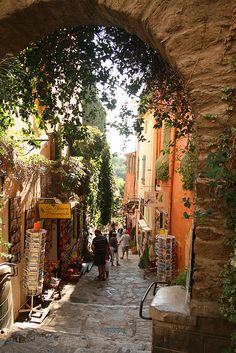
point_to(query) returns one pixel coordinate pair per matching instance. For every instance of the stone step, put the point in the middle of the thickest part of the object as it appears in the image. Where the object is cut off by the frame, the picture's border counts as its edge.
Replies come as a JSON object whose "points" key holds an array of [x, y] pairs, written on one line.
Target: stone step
{"points": [[110, 350], [113, 347]]}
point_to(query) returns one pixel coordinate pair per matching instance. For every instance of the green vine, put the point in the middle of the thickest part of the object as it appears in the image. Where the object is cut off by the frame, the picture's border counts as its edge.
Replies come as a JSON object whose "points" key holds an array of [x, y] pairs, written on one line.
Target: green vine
{"points": [[233, 62], [220, 169], [229, 96], [163, 171], [72, 173], [188, 167], [166, 98], [4, 245]]}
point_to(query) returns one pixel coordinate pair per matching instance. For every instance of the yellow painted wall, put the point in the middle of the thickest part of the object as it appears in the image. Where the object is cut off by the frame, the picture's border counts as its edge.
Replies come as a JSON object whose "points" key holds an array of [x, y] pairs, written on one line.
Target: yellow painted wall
{"points": [[147, 148]]}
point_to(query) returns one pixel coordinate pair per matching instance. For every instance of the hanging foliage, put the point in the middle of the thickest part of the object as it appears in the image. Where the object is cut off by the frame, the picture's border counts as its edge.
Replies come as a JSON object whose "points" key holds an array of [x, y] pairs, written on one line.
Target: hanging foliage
{"points": [[54, 77], [166, 98], [63, 70]]}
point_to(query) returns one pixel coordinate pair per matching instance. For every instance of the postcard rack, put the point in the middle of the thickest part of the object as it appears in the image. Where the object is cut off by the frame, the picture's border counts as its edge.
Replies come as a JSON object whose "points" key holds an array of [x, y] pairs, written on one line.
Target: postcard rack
{"points": [[166, 257], [34, 266]]}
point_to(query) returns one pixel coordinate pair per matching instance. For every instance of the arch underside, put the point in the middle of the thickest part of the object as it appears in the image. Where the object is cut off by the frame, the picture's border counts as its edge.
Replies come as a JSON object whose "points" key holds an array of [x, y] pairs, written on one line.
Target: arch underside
{"points": [[189, 34]]}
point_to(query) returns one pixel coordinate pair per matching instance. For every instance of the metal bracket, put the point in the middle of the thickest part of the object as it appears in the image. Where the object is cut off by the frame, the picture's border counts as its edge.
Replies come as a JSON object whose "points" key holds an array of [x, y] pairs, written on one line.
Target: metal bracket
{"points": [[155, 285]]}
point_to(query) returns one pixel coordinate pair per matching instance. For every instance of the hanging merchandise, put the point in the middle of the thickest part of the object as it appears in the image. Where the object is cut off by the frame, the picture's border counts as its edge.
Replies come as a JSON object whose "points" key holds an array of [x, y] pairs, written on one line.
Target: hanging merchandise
{"points": [[70, 264], [166, 258]]}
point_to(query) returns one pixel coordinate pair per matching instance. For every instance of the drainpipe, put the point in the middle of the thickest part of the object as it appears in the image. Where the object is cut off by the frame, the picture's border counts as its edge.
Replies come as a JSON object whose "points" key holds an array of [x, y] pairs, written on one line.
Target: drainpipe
{"points": [[171, 173]]}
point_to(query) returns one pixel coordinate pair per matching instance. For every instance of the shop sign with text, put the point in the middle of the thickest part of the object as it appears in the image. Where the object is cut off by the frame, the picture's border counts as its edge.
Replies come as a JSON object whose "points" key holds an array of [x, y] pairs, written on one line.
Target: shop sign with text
{"points": [[47, 210]]}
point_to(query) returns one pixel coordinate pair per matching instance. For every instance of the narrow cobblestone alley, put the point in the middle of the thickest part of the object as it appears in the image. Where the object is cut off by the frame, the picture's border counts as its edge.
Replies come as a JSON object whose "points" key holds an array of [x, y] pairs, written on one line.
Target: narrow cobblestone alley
{"points": [[92, 317]]}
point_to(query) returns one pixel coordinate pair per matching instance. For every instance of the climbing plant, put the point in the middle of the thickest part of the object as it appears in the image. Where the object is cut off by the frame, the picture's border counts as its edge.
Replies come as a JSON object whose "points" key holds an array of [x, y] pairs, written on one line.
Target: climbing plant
{"points": [[223, 164], [188, 165], [220, 171], [163, 171], [90, 175], [4, 245]]}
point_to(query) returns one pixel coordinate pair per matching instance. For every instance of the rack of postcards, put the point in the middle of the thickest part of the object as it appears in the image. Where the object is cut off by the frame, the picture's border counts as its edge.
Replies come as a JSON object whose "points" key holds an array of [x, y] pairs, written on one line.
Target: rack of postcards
{"points": [[34, 261], [166, 257]]}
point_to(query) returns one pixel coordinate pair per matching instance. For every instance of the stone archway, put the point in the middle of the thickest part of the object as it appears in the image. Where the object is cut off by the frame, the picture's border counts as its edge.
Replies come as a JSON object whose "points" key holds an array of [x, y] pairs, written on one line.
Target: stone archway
{"points": [[190, 35]]}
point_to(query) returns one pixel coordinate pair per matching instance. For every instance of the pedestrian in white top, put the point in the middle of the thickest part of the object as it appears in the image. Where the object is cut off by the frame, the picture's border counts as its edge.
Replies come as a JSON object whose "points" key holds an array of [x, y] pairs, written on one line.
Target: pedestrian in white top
{"points": [[125, 240]]}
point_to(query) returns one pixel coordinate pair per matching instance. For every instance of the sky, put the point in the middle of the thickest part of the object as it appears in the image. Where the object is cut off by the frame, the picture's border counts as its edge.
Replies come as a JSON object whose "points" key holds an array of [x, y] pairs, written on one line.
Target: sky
{"points": [[116, 143], [115, 140]]}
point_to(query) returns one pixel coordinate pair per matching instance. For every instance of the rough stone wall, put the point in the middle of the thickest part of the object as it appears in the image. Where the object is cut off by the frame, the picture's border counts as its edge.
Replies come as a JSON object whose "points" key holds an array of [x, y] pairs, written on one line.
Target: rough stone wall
{"points": [[190, 35]]}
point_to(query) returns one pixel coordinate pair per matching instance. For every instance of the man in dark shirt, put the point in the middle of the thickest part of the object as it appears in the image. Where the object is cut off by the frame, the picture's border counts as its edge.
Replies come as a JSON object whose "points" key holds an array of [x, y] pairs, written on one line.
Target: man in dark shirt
{"points": [[101, 251]]}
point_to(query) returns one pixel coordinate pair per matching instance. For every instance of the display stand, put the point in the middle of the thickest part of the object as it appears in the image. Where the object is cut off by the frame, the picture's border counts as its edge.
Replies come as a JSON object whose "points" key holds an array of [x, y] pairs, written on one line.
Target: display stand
{"points": [[166, 258], [33, 272]]}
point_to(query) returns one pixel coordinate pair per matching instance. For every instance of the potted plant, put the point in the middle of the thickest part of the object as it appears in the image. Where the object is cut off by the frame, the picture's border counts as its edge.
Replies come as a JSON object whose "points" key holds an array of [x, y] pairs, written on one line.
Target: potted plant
{"points": [[133, 247]]}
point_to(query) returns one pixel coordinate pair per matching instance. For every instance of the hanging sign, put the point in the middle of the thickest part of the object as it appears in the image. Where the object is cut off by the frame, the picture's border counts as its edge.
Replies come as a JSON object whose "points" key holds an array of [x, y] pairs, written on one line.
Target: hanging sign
{"points": [[154, 199], [47, 210], [161, 200], [150, 197]]}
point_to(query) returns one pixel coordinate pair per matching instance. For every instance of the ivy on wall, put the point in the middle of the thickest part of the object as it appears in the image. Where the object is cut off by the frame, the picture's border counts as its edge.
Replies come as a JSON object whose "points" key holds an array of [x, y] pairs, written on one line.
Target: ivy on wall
{"points": [[91, 175], [220, 171], [162, 171], [187, 168]]}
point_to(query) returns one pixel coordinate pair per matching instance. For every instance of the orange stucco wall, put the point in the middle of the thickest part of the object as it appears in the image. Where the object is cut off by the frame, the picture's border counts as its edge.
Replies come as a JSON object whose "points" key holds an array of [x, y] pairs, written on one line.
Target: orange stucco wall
{"points": [[130, 179], [129, 186], [180, 227]]}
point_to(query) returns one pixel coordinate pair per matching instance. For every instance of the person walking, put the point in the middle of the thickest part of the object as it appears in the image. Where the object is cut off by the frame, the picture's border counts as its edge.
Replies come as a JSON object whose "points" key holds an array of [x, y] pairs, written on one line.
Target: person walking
{"points": [[119, 233], [125, 240], [114, 249], [111, 230], [101, 250]]}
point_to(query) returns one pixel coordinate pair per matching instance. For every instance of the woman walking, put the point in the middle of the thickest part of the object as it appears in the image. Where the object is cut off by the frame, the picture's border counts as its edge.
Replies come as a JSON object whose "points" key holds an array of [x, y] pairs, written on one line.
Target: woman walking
{"points": [[114, 249]]}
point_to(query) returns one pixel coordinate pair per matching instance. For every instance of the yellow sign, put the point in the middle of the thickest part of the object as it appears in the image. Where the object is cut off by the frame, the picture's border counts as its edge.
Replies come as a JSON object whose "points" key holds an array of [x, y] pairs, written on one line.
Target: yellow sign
{"points": [[49, 210]]}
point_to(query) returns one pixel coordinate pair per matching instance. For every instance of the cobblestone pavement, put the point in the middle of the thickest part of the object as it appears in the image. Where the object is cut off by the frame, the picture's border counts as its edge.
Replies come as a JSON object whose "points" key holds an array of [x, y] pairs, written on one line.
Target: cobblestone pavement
{"points": [[91, 317]]}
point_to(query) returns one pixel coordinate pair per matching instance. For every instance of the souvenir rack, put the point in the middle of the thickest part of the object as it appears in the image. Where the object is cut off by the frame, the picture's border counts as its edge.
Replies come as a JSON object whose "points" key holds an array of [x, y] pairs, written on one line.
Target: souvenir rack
{"points": [[166, 258], [34, 266]]}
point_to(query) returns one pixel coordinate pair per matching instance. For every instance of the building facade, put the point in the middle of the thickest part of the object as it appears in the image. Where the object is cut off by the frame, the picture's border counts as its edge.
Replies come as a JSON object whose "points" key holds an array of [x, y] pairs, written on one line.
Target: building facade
{"points": [[159, 192]]}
